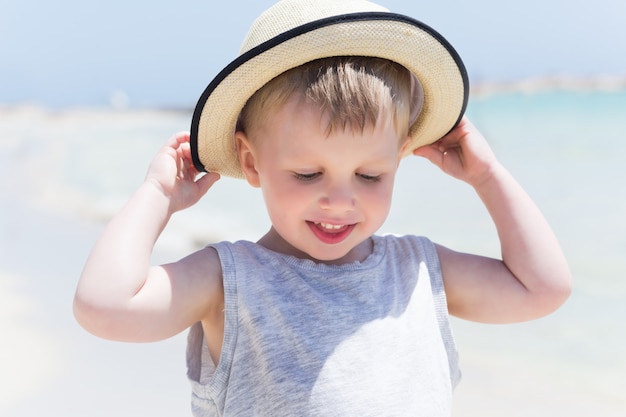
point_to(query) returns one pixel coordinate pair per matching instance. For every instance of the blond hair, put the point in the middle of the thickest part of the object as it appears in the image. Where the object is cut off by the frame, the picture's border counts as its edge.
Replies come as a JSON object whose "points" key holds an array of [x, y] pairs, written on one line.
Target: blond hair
{"points": [[352, 91]]}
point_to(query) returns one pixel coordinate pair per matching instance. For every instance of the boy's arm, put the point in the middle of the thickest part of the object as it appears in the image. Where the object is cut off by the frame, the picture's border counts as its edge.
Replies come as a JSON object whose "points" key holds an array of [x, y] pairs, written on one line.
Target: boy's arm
{"points": [[533, 277], [119, 295]]}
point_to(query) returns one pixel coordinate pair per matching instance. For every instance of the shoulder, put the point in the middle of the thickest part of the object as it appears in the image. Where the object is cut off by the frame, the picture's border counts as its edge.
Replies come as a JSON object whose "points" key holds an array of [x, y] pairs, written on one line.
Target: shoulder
{"points": [[195, 285], [417, 253], [204, 263], [227, 254], [408, 245]]}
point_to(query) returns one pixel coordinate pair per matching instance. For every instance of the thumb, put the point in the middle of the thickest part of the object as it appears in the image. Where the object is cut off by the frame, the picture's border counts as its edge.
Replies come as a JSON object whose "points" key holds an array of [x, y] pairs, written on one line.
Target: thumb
{"points": [[430, 152], [206, 181]]}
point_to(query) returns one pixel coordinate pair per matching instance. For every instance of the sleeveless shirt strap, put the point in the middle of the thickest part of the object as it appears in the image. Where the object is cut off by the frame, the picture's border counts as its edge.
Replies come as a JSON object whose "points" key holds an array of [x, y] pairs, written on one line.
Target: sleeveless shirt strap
{"points": [[441, 307]]}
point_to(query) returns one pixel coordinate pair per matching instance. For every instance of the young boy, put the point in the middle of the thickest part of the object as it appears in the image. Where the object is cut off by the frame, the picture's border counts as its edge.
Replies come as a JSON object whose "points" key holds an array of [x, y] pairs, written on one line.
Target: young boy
{"points": [[322, 317]]}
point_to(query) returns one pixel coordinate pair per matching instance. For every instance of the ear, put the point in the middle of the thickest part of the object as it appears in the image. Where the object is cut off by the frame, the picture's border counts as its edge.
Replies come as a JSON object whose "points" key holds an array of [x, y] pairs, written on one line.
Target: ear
{"points": [[247, 158], [404, 147]]}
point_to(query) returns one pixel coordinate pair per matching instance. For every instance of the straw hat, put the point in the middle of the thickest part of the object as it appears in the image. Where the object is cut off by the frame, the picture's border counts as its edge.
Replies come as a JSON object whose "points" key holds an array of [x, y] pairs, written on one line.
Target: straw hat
{"points": [[294, 32]]}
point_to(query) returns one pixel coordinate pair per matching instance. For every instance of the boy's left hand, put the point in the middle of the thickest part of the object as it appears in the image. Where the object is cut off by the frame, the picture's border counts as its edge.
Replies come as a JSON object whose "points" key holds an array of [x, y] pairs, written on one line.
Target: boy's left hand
{"points": [[532, 277], [463, 153]]}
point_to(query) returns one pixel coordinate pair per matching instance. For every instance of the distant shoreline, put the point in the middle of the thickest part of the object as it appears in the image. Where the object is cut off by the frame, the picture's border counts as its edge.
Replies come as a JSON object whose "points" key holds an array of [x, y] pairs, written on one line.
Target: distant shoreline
{"points": [[478, 89], [547, 84]]}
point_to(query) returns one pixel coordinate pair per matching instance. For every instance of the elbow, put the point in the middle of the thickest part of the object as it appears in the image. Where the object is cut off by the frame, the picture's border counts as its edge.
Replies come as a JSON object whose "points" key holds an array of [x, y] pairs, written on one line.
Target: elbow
{"points": [[562, 289], [552, 295], [99, 319], [89, 316], [558, 297]]}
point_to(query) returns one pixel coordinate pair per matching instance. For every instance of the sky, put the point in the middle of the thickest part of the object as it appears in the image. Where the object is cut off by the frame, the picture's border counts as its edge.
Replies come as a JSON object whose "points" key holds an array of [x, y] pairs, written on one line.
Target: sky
{"points": [[163, 53]]}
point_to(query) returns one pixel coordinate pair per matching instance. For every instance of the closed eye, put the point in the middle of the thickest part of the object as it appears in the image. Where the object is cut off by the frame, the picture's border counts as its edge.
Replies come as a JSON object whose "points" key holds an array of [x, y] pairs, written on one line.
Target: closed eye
{"points": [[370, 178], [306, 177]]}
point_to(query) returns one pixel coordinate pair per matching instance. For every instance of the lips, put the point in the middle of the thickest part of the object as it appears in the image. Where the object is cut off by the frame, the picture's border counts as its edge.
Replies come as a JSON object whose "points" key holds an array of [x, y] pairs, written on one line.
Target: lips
{"points": [[330, 233]]}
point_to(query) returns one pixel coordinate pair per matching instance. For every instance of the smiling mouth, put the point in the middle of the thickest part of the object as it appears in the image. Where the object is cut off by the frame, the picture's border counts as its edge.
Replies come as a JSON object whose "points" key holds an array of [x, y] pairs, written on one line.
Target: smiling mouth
{"points": [[330, 233]]}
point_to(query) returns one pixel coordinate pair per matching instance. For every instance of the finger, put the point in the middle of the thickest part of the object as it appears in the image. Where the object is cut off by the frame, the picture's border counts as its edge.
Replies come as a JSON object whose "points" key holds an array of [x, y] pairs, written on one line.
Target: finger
{"points": [[430, 152], [185, 150], [207, 180], [177, 139]]}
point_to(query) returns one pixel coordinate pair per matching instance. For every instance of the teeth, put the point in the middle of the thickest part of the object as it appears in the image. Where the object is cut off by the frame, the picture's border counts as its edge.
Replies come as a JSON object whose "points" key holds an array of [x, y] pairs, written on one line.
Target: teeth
{"points": [[328, 226]]}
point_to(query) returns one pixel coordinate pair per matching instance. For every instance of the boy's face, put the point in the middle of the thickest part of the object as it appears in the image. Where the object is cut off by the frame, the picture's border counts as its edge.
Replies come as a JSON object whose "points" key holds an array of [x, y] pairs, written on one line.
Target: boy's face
{"points": [[325, 194]]}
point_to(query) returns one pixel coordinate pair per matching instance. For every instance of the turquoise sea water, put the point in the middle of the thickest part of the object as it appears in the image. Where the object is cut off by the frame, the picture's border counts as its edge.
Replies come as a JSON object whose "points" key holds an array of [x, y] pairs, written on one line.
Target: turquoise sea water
{"points": [[568, 150]]}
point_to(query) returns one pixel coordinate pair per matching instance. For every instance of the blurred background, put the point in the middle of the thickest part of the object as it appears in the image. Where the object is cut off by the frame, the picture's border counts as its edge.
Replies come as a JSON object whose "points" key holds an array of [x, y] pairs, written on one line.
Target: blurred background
{"points": [[89, 91], [162, 53]]}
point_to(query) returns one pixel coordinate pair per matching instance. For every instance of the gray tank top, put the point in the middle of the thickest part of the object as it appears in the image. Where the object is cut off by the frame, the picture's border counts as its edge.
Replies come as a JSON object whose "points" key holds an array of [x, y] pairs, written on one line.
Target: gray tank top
{"points": [[369, 338]]}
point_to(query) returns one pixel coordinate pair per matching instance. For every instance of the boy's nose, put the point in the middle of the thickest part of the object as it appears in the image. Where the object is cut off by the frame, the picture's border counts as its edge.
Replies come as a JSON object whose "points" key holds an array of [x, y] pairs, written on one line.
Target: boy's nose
{"points": [[338, 197]]}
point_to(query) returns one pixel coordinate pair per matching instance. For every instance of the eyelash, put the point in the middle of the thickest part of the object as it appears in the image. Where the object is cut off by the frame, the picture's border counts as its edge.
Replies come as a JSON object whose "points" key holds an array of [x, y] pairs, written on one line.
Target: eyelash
{"points": [[370, 178], [314, 175], [306, 177]]}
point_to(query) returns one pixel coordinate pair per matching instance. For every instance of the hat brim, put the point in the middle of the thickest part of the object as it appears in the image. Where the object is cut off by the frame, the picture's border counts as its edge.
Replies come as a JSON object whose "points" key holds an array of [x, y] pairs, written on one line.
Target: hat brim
{"points": [[396, 37]]}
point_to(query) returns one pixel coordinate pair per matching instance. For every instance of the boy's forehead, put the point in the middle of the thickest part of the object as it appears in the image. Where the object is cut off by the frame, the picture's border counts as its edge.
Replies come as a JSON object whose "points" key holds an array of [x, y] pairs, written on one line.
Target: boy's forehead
{"points": [[300, 120]]}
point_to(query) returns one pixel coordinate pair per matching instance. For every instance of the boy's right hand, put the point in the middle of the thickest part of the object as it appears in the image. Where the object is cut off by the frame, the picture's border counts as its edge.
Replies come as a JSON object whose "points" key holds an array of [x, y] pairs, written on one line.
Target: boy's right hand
{"points": [[172, 172], [120, 296]]}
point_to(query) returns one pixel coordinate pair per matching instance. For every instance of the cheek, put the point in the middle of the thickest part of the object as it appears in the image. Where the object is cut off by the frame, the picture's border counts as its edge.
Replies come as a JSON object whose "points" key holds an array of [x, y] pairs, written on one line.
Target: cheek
{"points": [[283, 197], [379, 198]]}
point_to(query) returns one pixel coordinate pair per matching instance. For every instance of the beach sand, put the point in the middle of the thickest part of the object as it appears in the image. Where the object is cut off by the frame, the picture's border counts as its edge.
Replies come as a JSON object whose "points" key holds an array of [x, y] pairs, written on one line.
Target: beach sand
{"points": [[51, 366], [28, 351]]}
